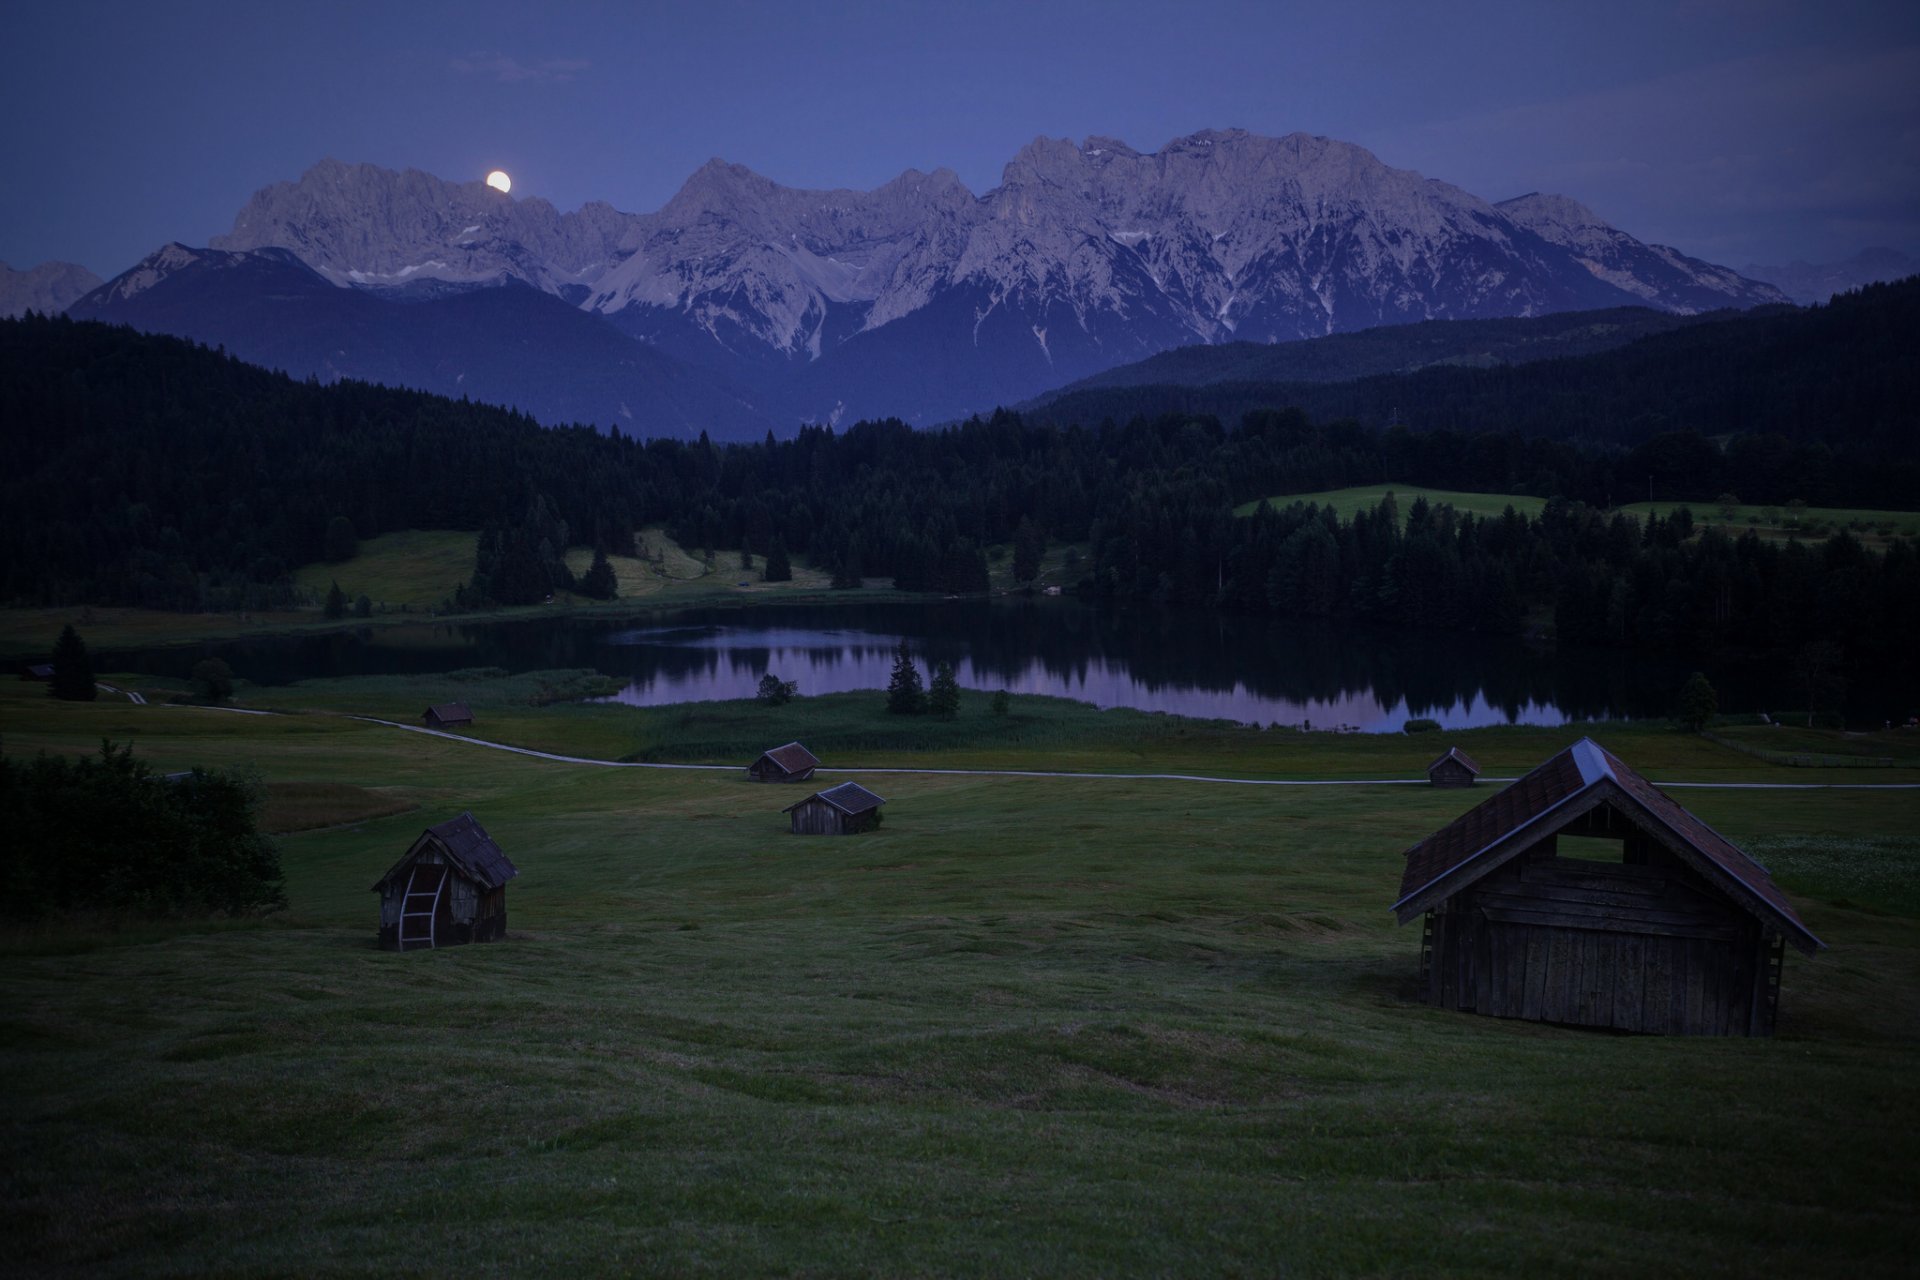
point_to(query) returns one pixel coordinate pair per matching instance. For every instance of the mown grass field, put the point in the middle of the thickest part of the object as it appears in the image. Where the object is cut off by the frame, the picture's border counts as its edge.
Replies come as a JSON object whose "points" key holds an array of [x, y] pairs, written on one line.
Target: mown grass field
{"points": [[1366, 497], [416, 569], [1031, 1026], [1778, 523], [408, 575]]}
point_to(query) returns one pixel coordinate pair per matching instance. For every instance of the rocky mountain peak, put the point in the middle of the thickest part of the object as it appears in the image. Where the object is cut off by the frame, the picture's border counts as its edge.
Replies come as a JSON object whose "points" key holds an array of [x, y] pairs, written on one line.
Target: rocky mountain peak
{"points": [[49, 288]]}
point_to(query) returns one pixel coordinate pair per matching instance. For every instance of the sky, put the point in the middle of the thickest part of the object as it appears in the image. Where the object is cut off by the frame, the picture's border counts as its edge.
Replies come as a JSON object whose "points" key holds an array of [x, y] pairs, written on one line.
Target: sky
{"points": [[1737, 130]]}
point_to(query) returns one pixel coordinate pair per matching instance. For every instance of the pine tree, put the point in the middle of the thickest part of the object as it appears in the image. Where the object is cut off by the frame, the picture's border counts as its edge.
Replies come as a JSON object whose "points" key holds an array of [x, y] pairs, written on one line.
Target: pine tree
{"points": [[600, 582], [1029, 544], [904, 694], [778, 569], [72, 669], [336, 601], [341, 540], [1698, 703], [943, 697]]}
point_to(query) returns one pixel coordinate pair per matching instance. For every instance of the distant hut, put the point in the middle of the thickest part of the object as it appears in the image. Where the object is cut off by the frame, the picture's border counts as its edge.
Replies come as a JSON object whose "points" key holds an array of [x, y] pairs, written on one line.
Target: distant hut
{"points": [[1454, 769], [448, 889], [791, 763], [41, 671], [447, 715], [837, 811], [1583, 894]]}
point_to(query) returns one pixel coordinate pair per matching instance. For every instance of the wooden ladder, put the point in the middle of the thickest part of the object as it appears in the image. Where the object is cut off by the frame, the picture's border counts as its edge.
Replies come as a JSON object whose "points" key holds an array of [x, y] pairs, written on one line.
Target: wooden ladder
{"points": [[410, 909]]}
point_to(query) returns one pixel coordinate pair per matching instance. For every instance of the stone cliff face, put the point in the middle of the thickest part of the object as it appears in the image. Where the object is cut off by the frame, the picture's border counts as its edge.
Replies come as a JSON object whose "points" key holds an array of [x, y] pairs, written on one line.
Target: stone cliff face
{"points": [[922, 300]]}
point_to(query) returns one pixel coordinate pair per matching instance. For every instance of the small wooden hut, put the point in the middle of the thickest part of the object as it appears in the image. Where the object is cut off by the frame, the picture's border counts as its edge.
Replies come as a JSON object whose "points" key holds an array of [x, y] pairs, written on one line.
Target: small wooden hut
{"points": [[451, 887], [837, 811], [791, 763], [1583, 894], [41, 671], [1454, 769], [447, 715]]}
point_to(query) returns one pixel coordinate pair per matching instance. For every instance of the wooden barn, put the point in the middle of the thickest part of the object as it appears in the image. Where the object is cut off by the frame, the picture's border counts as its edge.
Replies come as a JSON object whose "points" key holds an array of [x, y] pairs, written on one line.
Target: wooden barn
{"points": [[447, 715], [41, 671], [838, 811], [451, 887], [1454, 769], [791, 763], [1583, 894]]}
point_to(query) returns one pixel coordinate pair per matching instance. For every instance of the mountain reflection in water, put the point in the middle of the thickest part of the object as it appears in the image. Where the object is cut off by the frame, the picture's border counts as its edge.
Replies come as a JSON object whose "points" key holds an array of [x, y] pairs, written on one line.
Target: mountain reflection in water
{"points": [[1193, 665], [1197, 664]]}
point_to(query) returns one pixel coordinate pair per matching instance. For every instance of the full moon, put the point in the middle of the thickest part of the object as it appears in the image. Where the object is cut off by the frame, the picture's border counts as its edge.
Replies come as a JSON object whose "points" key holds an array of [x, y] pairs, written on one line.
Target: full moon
{"points": [[499, 180]]}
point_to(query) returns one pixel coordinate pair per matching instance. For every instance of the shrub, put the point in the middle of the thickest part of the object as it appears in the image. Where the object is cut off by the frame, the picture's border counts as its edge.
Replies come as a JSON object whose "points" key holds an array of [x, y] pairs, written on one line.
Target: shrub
{"points": [[775, 692], [212, 680], [107, 833], [1421, 726]]}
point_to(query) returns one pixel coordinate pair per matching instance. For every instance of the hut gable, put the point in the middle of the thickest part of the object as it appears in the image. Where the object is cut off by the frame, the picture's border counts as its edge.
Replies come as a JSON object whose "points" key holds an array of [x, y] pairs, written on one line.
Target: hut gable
{"points": [[445, 714], [841, 810], [448, 888], [791, 763], [1454, 769], [1682, 933]]}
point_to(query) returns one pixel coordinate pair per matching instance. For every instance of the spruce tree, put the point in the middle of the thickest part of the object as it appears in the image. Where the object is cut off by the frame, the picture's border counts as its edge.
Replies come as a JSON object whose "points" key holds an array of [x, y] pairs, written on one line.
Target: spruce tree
{"points": [[943, 696], [1698, 703], [336, 601], [904, 694], [600, 582], [72, 668], [779, 568]]}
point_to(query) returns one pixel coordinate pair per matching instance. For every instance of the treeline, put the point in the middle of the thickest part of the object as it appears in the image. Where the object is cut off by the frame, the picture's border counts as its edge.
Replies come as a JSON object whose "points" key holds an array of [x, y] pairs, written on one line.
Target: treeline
{"points": [[1842, 375], [149, 471], [1606, 580]]}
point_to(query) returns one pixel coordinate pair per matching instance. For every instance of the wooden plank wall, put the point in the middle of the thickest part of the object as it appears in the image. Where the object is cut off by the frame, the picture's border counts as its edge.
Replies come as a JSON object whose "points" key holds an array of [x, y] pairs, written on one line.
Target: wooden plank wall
{"points": [[1632, 947]]}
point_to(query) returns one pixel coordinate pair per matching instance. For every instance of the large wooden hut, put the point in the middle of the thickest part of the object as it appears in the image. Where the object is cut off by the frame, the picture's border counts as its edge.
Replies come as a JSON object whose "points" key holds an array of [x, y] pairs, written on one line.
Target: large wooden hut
{"points": [[1454, 769], [837, 811], [451, 887], [791, 763], [1583, 894], [447, 715]]}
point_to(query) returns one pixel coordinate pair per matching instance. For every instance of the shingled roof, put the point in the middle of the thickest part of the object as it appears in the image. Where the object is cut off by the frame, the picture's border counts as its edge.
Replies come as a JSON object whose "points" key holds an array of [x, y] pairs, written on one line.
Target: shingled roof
{"points": [[849, 798], [447, 712], [468, 847], [1455, 753], [793, 758], [1550, 797]]}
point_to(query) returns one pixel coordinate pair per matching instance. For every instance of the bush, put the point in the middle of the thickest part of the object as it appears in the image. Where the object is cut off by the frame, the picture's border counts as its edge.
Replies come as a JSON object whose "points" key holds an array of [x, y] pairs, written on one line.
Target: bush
{"points": [[106, 833], [1002, 702], [212, 680], [1421, 726]]}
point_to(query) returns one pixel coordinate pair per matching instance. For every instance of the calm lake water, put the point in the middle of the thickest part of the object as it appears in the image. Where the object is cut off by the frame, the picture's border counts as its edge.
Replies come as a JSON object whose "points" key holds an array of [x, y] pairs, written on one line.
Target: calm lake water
{"points": [[1186, 663]]}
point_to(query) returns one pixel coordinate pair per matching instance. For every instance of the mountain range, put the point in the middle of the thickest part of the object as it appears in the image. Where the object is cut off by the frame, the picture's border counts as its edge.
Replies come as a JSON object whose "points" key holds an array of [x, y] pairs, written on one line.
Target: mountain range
{"points": [[743, 305], [49, 288]]}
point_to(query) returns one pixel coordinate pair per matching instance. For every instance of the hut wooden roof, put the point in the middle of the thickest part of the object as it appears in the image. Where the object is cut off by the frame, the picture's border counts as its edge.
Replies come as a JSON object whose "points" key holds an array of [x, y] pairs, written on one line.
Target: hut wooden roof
{"points": [[793, 758], [468, 847], [450, 711], [1567, 785], [849, 798], [1455, 753], [41, 671]]}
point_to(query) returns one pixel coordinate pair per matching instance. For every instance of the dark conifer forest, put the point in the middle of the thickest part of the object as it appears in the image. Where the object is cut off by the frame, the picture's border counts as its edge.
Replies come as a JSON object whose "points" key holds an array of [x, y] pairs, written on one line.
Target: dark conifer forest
{"points": [[148, 471]]}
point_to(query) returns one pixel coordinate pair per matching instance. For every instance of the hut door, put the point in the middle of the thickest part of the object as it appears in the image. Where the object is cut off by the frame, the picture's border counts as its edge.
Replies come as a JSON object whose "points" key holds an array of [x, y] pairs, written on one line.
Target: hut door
{"points": [[420, 905]]}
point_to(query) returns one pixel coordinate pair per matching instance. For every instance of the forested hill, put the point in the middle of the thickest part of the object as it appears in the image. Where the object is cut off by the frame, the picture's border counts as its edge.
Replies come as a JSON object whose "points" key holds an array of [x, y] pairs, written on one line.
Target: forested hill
{"points": [[1841, 372], [1397, 348], [145, 470]]}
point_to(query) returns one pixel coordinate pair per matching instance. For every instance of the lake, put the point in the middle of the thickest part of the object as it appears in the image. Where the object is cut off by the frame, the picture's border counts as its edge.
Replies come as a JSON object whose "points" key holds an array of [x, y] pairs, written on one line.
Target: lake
{"points": [[1195, 664]]}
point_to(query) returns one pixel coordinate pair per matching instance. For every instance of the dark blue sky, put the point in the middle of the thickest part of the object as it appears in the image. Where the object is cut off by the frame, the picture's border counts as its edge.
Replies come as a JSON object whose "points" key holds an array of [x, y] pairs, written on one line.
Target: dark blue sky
{"points": [[1735, 129]]}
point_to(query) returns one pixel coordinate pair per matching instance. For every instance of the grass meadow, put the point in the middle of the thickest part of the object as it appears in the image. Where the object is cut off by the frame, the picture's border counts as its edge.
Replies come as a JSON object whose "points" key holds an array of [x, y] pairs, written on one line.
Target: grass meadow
{"points": [[1030, 1026]]}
